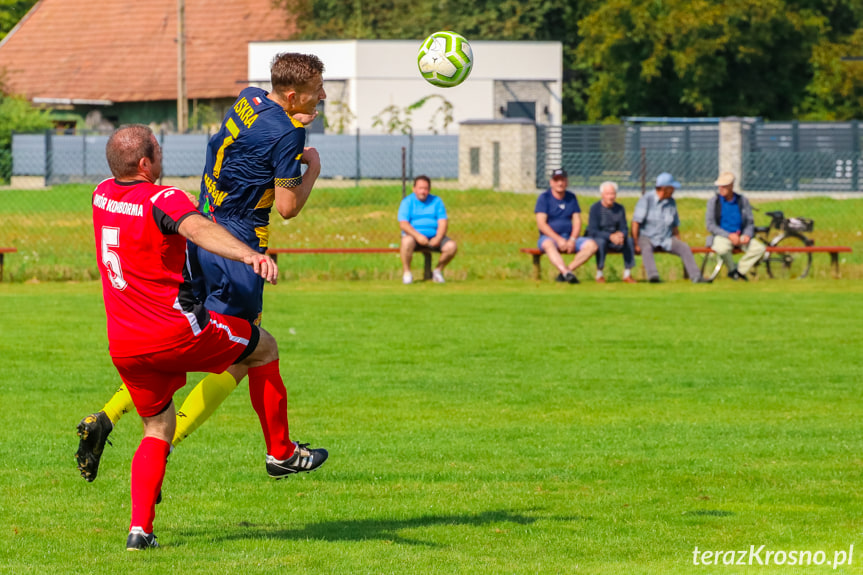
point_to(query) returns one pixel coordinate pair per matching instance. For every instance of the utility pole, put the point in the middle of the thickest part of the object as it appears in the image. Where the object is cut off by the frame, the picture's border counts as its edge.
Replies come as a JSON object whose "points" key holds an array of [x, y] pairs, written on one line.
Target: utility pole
{"points": [[182, 101]]}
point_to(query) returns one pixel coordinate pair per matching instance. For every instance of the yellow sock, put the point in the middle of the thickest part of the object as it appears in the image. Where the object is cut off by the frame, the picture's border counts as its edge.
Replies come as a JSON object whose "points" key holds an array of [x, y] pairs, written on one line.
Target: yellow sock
{"points": [[119, 405], [202, 402]]}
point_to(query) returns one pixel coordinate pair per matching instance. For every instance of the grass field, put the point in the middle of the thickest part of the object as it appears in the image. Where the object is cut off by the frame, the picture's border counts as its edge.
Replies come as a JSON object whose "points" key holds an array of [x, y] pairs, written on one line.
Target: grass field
{"points": [[53, 232], [476, 427]]}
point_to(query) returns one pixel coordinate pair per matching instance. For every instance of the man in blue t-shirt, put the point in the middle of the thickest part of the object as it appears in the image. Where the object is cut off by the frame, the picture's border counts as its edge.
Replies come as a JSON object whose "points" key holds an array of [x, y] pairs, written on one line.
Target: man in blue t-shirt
{"points": [[423, 221], [558, 218]]}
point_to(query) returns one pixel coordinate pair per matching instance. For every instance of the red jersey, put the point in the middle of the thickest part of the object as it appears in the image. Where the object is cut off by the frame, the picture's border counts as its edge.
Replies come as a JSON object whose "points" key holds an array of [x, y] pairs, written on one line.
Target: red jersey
{"points": [[142, 257]]}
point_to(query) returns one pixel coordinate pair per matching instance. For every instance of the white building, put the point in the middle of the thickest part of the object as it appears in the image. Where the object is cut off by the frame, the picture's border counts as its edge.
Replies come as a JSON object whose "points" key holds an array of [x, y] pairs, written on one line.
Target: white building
{"points": [[364, 77]]}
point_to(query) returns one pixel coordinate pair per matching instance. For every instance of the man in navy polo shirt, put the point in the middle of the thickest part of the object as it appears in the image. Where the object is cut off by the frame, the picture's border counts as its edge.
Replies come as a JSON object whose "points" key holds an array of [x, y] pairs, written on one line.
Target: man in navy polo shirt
{"points": [[731, 225], [423, 221], [558, 218]]}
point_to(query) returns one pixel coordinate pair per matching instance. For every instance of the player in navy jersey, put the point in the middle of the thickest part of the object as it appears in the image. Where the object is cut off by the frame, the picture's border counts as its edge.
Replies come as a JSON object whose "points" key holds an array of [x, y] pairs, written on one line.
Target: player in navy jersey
{"points": [[253, 163], [158, 331]]}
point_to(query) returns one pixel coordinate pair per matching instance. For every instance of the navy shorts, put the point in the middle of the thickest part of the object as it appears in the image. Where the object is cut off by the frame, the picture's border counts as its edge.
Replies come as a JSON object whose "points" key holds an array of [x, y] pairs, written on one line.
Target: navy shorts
{"points": [[226, 286]]}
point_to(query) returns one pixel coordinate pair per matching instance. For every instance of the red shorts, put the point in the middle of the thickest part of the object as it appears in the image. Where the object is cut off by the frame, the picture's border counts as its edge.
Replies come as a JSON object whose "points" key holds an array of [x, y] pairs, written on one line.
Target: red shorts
{"points": [[153, 378]]}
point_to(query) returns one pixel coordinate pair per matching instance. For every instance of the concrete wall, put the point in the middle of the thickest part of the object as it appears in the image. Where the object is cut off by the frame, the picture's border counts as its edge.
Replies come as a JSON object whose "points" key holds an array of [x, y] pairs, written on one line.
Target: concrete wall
{"points": [[512, 167], [731, 149]]}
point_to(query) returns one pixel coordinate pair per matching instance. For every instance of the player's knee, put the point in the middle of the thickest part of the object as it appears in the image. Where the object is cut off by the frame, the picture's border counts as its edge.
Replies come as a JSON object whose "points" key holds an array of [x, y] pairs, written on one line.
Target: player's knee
{"points": [[590, 246], [408, 242], [265, 352]]}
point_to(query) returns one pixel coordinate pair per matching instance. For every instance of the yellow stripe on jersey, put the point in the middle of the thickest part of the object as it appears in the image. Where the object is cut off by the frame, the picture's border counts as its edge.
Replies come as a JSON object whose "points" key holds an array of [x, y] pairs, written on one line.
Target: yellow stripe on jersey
{"points": [[263, 234], [296, 123], [299, 156], [289, 182], [267, 199], [220, 155]]}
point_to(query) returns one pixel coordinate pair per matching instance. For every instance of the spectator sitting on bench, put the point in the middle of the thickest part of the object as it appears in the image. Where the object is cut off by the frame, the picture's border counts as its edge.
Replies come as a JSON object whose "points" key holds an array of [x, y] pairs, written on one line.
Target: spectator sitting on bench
{"points": [[731, 225], [558, 218], [423, 221], [607, 226], [655, 224]]}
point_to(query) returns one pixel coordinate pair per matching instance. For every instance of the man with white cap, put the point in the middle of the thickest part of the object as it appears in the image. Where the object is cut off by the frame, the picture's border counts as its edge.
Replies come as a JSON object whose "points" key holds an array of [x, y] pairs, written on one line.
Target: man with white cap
{"points": [[731, 225], [655, 224]]}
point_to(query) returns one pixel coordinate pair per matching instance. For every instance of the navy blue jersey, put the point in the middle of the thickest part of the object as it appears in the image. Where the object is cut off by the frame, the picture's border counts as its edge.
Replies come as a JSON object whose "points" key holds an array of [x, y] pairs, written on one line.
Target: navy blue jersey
{"points": [[258, 147]]}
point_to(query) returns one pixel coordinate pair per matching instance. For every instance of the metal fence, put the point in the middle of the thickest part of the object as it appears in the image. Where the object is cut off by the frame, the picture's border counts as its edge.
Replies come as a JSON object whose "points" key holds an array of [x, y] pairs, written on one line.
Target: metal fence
{"points": [[75, 158], [355, 201], [803, 156]]}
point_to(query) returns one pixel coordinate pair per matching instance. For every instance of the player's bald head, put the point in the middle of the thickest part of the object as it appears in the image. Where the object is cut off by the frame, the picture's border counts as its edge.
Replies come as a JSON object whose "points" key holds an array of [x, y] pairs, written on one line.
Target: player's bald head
{"points": [[125, 148], [291, 71]]}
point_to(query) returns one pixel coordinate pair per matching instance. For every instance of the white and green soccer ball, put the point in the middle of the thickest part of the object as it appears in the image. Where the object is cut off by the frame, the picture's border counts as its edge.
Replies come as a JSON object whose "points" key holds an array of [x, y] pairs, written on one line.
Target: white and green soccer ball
{"points": [[445, 59]]}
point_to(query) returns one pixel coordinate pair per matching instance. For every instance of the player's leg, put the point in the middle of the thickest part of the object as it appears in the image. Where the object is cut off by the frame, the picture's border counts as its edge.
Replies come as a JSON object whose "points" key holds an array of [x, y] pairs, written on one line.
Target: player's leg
{"points": [[601, 248], [234, 290], [584, 249], [148, 472], [547, 245], [152, 388], [628, 259], [754, 252], [201, 402], [94, 429], [682, 250], [648, 260], [448, 249], [406, 252], [270, 401], [723, 248]]}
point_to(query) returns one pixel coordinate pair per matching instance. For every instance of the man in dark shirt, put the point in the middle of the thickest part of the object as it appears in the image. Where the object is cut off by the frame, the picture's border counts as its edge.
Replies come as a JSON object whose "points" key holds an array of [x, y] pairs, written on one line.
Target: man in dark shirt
{"points": [[607, 226], [558, 218]]}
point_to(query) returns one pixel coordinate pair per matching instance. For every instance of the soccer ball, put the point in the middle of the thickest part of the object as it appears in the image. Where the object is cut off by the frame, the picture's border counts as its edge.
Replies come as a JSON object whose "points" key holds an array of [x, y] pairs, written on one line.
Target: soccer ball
{"points": [[445, 59]]}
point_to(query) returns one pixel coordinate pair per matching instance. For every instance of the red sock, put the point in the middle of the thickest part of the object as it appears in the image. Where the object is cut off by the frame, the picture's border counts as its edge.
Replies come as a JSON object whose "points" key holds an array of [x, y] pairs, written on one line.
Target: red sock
{"points": [[148, 471], [270, 400]]}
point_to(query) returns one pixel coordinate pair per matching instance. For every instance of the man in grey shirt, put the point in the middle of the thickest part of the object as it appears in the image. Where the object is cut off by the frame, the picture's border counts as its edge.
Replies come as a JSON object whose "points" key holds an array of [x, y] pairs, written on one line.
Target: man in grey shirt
{"points": [[730, 223], [655, 225]]}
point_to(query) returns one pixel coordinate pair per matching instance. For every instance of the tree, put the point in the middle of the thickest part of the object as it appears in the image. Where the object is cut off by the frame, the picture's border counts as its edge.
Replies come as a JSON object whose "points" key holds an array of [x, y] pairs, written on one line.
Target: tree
{"points": [[16, 115], [697, 57], [11, 11], [394, 119], [836, 89]]}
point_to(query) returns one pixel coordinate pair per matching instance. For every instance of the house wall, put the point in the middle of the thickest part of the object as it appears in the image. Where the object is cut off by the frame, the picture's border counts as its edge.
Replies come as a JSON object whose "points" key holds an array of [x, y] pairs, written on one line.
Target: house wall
{"points": [[379, 74]]}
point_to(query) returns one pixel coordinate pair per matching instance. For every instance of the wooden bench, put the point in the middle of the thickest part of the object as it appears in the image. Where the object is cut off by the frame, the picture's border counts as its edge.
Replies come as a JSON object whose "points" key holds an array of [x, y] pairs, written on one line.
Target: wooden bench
{"points": [[4, 251], [834, 252], [426, 252]]}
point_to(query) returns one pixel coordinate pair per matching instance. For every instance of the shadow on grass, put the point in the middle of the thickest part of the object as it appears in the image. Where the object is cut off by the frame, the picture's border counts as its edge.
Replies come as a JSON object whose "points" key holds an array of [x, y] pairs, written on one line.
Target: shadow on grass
{"points": [[710, 513], [376, 529]]}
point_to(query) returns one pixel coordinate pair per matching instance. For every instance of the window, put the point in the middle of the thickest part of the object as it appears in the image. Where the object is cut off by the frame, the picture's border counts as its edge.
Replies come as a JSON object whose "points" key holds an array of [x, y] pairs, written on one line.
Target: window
{"points": [[519, 109], [474, 161]]}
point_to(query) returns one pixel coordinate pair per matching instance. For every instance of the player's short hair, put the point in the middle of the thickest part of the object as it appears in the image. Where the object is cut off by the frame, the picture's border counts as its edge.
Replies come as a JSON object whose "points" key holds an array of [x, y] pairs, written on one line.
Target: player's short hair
{"points": [[291, 70], [423, 177], [125, 148]]}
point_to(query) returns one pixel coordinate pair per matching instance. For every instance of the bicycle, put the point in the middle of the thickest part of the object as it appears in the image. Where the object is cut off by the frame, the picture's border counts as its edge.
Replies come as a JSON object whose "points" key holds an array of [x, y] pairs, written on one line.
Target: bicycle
{"points": [[790, 233]]}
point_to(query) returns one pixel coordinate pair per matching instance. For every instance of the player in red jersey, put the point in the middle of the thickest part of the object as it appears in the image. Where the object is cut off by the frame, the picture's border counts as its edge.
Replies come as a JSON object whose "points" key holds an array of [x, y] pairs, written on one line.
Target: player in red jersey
{"points": [[253, 163], [158, 331]]}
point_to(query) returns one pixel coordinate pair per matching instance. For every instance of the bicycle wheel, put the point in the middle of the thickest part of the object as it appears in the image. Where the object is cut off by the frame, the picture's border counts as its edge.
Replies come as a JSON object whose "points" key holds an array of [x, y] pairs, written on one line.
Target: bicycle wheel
{"points": [[710, 266], [788, 265]]}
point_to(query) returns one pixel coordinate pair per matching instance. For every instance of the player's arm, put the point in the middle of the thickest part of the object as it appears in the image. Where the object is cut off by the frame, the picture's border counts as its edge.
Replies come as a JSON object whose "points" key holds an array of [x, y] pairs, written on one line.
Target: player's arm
{"points": [[442, 225], [290, 201], [407, 228], [576, 225], [216, 239]]}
